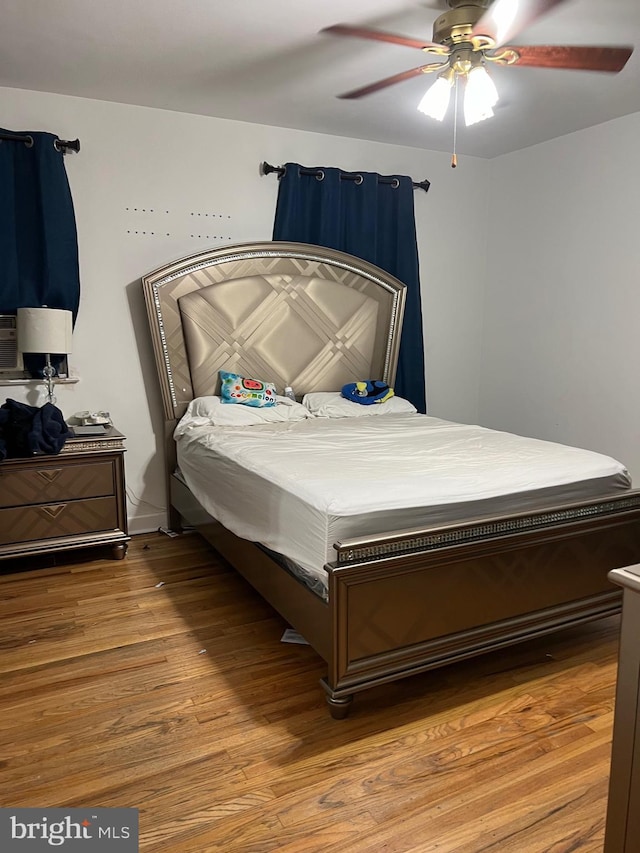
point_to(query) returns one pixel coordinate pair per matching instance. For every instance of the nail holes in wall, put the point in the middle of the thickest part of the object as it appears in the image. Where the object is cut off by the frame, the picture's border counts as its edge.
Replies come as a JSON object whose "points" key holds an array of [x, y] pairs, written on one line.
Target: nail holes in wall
{"points": [[141, 216]]}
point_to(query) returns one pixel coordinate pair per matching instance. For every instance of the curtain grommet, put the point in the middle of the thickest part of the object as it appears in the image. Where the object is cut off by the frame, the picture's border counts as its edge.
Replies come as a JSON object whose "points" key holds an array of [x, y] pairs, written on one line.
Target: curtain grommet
{"points": [[358, 180], [319, 175], [29, 142], [395, 183]]}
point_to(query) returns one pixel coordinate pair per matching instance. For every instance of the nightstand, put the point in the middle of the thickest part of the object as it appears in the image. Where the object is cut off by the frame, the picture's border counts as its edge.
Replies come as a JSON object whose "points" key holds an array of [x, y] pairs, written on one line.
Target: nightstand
{"points": [[74, 499]]}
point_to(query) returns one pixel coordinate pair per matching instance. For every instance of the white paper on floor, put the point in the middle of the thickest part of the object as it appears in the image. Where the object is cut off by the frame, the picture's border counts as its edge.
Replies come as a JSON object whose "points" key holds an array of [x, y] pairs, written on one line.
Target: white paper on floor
{"points": [[291, 636]]}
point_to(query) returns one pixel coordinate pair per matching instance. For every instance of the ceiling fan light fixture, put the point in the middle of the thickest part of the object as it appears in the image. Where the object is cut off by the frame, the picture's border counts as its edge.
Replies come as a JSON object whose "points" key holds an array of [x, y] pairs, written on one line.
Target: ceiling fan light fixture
{"points": [[436, 99], [480, 96]]}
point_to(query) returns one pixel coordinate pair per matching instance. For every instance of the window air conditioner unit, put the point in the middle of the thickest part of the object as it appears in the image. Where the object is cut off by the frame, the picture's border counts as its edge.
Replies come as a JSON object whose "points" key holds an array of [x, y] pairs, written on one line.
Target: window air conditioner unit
{"points": [[10, 358]]}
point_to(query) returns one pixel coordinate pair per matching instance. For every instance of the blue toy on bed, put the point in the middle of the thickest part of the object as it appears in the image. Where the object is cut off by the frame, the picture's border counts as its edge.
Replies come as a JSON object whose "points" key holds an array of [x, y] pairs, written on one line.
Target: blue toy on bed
{"points": [[367, 392]]}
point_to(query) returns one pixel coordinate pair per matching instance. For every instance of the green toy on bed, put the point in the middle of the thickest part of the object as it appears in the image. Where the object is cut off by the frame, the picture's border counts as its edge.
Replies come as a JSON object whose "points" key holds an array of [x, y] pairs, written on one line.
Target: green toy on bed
{"points": [[367, 392]]}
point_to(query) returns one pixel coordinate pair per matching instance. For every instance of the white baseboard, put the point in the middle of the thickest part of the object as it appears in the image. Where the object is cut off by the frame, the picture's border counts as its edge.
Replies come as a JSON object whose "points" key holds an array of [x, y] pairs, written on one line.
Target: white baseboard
{"points": [[146, 522]]}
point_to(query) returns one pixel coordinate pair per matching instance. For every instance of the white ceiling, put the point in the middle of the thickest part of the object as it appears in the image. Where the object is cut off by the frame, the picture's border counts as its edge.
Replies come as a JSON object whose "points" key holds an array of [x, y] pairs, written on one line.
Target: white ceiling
{"points": [[264, 61]]}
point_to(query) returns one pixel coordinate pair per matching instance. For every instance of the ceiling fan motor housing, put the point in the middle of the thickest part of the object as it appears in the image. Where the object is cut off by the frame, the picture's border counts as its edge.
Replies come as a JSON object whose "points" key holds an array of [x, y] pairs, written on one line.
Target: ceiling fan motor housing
{"points": [[457, 25]]}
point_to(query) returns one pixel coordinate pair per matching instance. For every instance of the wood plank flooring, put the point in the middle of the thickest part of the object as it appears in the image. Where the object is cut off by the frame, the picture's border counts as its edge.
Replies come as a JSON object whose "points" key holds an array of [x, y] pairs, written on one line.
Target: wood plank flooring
{"points": [[160, 682]]}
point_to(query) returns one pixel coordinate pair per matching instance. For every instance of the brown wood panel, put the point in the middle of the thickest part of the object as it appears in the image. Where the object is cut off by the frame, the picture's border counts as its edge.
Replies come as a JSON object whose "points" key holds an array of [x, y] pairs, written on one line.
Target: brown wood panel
{"points": [[395, 609], [623, 813], [48, 482], [24, 524], [160, 682]]}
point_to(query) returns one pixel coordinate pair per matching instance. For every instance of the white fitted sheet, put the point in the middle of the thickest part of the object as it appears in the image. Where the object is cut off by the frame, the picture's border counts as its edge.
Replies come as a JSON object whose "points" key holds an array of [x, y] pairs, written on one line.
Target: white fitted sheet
{"points": [[297, 488]]}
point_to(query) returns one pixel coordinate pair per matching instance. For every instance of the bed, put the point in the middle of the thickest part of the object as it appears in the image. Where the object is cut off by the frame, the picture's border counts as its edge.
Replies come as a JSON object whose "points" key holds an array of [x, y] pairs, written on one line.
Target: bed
{"points": [[405, 586]]}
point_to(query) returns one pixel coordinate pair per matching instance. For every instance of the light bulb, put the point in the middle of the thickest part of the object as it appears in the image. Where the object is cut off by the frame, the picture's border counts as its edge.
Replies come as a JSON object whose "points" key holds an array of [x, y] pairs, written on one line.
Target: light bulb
{"points": [[480, 95], [436, 98]]}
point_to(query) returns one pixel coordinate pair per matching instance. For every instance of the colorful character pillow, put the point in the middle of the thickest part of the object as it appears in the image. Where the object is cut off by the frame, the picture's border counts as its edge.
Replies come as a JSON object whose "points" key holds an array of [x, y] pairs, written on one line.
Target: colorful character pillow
{"points": [[250, 392], [367, 392]]}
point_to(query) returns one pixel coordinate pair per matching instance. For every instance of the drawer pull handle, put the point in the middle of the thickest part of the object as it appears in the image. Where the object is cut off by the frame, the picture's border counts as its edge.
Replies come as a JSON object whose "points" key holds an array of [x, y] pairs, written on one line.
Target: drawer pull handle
{"points": [[50, 474], [53, 510]]}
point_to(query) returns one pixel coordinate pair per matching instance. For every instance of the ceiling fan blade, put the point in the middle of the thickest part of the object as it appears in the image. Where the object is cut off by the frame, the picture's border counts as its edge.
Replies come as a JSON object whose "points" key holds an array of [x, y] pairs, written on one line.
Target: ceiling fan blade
{"points": [[506, 18], [390, 81], [592, 58], [378, 35]]}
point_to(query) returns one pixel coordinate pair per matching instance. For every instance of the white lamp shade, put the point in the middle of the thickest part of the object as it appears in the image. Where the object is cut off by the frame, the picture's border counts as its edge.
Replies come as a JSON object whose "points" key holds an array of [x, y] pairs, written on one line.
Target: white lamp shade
{"points": [[480, 95], [44, 330], [436, 99]]}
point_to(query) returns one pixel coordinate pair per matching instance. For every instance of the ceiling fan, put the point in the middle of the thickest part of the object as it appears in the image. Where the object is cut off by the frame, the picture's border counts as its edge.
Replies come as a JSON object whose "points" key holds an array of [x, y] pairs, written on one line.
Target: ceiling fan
{"points": [[473, 34]]}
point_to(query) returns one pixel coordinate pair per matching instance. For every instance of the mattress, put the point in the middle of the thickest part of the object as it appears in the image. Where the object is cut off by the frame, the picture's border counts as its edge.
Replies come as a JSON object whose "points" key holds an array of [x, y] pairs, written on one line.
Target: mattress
{"points": [[297, 488]]}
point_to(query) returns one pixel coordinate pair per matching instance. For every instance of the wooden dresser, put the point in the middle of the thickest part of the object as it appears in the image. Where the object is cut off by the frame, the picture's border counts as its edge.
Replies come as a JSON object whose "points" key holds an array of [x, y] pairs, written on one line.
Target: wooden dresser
{"points": [[623, 811], [74, 499]]}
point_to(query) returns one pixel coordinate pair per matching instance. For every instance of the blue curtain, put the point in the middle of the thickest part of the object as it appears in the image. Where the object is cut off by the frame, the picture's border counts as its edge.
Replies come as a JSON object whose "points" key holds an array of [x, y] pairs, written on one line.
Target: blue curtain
{"points": [[38, 239], [370, 216]]}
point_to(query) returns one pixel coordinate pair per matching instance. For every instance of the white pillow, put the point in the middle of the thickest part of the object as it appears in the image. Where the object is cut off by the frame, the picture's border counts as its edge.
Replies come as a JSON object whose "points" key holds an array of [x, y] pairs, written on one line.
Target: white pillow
{"points": [[331, 404], [205, 411]]}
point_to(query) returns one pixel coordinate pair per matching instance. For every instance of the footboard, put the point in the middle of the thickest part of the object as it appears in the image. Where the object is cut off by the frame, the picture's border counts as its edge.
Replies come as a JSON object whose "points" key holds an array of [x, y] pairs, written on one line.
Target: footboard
{"points": [[408, 602]]}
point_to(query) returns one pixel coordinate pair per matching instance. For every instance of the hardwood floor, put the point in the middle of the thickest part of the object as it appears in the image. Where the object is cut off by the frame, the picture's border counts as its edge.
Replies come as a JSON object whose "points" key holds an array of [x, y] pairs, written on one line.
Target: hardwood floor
{"points": [[160, 682]]}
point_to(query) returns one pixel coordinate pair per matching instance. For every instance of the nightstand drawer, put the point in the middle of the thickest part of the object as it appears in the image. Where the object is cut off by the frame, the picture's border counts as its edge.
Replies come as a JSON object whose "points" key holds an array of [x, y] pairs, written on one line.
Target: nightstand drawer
{"points": [[24, 524], [50, 482]]}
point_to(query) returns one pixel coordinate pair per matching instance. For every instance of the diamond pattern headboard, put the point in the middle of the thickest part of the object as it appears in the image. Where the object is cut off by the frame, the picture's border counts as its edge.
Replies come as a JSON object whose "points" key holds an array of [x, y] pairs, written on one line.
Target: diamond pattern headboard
{"points": [[288, 313]]}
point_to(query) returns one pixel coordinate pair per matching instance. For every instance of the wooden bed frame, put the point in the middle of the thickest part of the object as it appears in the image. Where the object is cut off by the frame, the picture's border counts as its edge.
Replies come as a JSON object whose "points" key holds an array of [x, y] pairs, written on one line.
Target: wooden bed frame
{"points": [[400, 602]]}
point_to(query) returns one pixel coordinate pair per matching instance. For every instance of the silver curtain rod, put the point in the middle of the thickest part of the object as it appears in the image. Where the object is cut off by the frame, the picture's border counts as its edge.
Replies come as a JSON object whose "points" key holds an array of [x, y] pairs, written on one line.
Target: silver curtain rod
{"points": [[268, 169]]}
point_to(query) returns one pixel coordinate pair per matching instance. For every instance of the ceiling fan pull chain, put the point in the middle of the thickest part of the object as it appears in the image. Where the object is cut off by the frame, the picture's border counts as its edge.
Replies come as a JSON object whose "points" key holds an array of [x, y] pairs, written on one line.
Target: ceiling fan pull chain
{"points": [[454, 156]]}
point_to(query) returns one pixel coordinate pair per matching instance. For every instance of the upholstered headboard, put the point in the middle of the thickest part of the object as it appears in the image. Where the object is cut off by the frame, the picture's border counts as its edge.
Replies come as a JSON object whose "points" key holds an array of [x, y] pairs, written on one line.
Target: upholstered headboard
{"points": [[289, 313]]}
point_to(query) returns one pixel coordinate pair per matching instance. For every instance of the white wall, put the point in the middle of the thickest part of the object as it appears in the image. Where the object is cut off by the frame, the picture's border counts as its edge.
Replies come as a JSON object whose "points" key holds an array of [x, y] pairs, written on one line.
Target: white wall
{"points": [[194, 182], [561, 346]]}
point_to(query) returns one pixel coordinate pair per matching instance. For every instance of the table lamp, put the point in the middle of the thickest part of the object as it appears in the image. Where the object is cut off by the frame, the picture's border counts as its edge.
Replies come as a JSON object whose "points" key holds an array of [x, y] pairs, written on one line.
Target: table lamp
{"points": [[46, 331]]}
